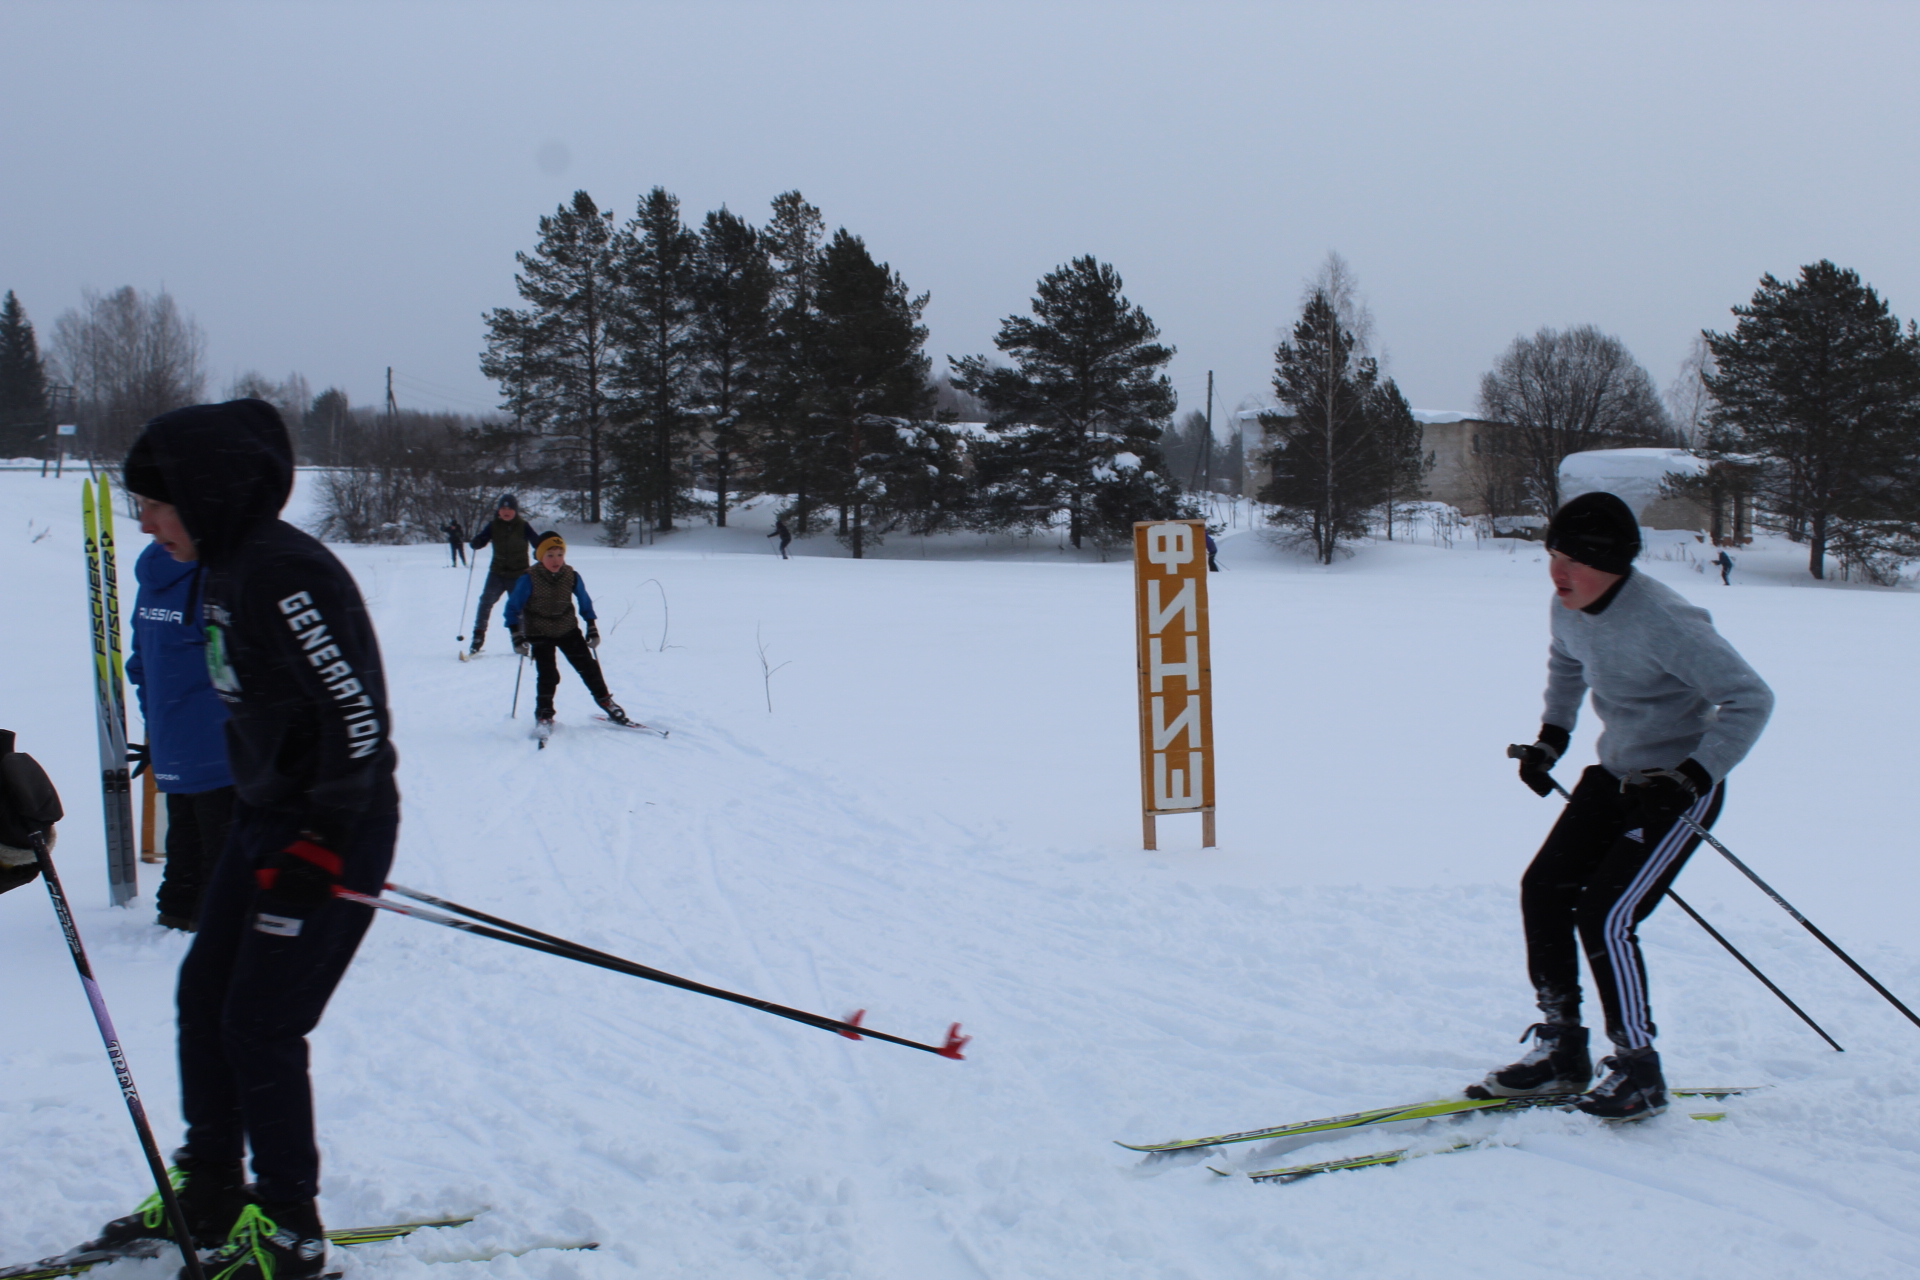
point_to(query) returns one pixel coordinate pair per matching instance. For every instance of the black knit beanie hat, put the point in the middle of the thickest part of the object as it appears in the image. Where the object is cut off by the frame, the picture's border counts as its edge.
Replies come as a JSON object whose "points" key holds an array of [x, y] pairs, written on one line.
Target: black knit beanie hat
{"points": [[508, 500], [141, 474], [1597, 529]]}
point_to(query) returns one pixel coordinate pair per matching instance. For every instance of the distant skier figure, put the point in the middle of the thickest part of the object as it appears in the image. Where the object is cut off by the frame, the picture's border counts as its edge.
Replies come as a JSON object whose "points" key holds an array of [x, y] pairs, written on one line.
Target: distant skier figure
{"points": [[186, 728], [540, 615], [1680, 708], [511, 537], [785, 535], [456, 543], [1725, 562], [293, 654], [1213, 554]]}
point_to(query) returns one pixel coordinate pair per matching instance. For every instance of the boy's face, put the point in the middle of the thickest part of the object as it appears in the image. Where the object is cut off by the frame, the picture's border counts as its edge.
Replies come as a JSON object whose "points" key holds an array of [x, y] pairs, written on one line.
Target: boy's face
{"points": [[1577, 585], [555, 558], [162, 521], [507, 514]]}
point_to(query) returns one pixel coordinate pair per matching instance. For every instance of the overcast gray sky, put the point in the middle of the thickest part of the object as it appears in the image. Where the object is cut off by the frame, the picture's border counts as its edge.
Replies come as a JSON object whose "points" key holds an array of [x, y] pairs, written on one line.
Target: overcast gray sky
{"points": [[335, 188]]}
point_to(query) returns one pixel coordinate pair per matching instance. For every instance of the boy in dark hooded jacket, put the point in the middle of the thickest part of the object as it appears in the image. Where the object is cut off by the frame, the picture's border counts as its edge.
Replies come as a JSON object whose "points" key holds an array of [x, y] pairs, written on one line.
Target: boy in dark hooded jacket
{"points": [[186, 728], [292, 652]]}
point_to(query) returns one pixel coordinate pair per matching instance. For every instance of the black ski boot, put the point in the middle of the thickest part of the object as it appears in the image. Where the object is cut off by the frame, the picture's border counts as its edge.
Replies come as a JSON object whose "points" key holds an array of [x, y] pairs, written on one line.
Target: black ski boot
{"points": [[211, 1195], [271, 1242], [614, 713], [1557, 1063], [1633, 1090]]}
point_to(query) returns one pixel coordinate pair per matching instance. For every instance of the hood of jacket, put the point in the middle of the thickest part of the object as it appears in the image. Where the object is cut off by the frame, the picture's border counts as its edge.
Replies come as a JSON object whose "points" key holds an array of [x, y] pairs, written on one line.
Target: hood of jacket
{"points": [[228, 468]]}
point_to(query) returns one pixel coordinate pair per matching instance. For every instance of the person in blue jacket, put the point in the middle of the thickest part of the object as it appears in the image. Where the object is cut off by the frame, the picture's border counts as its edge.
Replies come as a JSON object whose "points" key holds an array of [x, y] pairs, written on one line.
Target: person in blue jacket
{"points": [[186, 728]]}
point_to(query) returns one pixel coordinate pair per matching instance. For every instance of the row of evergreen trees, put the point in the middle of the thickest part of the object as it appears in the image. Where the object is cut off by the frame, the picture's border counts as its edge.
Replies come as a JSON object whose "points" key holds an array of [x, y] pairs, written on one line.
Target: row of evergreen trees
{"points": [[663, 362]]}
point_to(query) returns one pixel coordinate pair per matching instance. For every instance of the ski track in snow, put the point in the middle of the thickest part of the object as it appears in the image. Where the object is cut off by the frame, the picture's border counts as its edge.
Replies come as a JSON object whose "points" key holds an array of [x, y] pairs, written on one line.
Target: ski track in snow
{"points": [[938, 822]]}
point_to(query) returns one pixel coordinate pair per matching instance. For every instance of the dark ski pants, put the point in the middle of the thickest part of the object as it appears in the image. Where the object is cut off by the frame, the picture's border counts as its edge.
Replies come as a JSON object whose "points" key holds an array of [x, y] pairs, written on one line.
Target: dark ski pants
{"points": [[497, 585], [196, 835], [1598, 875], [574, 645], [458, 550], [248, 999]]}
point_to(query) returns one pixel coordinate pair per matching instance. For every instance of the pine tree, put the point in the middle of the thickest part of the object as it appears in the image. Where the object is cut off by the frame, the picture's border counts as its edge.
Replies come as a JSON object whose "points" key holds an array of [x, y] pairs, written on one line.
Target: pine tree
{"points": [[1336, 454], [732, 317], [786, 398], [23, 383], [655, 373], [555, 359], [871, 369], [1078, 419], [1405, 465], [1819, 383]]}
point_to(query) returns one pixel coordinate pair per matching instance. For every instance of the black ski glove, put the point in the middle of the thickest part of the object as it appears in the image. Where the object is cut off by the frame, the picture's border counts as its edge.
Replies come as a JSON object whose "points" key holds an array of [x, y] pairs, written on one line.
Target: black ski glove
{"points": [[521, 645], [1537, 761], [593, 635], [294, 883], [1659, 796]]}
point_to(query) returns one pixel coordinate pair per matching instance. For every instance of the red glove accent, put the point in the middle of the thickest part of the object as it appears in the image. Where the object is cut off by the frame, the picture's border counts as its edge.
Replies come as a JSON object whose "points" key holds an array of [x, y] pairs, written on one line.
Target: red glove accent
{"points": [[306, 850]]}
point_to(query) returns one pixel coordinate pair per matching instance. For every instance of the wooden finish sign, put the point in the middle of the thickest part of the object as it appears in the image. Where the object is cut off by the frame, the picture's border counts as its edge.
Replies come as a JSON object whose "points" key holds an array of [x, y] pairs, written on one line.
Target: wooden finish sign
{"points": [[1176, 674]]}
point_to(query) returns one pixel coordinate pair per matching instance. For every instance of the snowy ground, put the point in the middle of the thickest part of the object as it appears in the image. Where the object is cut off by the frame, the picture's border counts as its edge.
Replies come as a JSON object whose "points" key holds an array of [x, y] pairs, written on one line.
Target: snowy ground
{"points": [[937, 822]]}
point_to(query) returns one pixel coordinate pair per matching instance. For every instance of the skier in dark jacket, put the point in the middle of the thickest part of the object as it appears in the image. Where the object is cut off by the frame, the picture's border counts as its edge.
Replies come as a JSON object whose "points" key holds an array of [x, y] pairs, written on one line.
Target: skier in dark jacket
{"points": [[1680, 710], [511, 538], [456, 543], [1725, 562], [292, 652], [785, 535], [186, 727]]}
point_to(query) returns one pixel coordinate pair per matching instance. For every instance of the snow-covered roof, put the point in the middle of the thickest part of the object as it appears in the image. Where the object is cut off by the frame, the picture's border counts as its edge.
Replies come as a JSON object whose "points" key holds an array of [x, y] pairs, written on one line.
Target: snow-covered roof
{"points": [[1439, 417], [1632, 475]]}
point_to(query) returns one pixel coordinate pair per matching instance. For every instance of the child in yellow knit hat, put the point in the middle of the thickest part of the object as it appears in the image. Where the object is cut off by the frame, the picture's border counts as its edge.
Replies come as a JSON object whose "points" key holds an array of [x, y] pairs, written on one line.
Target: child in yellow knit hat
{"points": [[540, 613]]}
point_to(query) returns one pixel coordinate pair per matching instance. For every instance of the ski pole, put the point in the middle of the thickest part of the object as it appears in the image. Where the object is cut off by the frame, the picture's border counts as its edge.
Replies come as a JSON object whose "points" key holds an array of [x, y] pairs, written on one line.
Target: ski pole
{"points": [[1516, 752], [1765, 981], [466, 596], [1787, 907], [521, 936], [517, 672], [183, 1236]]}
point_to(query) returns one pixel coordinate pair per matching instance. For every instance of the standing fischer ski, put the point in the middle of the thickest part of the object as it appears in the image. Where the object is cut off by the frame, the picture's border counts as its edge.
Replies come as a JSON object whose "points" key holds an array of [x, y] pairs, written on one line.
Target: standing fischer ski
{"points": [[110, 700]]}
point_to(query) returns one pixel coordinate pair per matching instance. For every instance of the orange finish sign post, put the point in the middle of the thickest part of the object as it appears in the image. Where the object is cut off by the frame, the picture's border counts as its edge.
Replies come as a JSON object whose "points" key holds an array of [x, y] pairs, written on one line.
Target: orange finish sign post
{"points": [[1176, 673]]}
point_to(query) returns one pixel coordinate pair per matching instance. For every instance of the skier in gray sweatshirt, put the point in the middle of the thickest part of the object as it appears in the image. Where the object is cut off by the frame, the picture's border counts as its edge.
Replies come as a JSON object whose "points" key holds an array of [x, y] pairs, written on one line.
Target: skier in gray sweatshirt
{"points": [[1680, 708]]}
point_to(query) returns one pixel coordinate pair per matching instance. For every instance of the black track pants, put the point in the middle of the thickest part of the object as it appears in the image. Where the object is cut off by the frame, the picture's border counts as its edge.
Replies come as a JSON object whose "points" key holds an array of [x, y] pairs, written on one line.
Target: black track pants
{"points": [[1594, 880], [574, 645], [248, 999], [497, 585], [196, 834]]}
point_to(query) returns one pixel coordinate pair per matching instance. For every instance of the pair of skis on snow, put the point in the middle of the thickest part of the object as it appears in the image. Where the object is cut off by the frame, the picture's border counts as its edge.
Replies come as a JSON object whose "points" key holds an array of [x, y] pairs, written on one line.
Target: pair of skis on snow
{"points": [[110, 693], [72, 1264], [542, 732], [1412, 1115]]}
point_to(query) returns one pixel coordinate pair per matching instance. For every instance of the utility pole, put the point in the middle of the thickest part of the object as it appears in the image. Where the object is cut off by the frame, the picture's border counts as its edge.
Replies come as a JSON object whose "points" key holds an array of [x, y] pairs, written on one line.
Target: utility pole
{"points": [[1209, 431], [391, 409]]}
